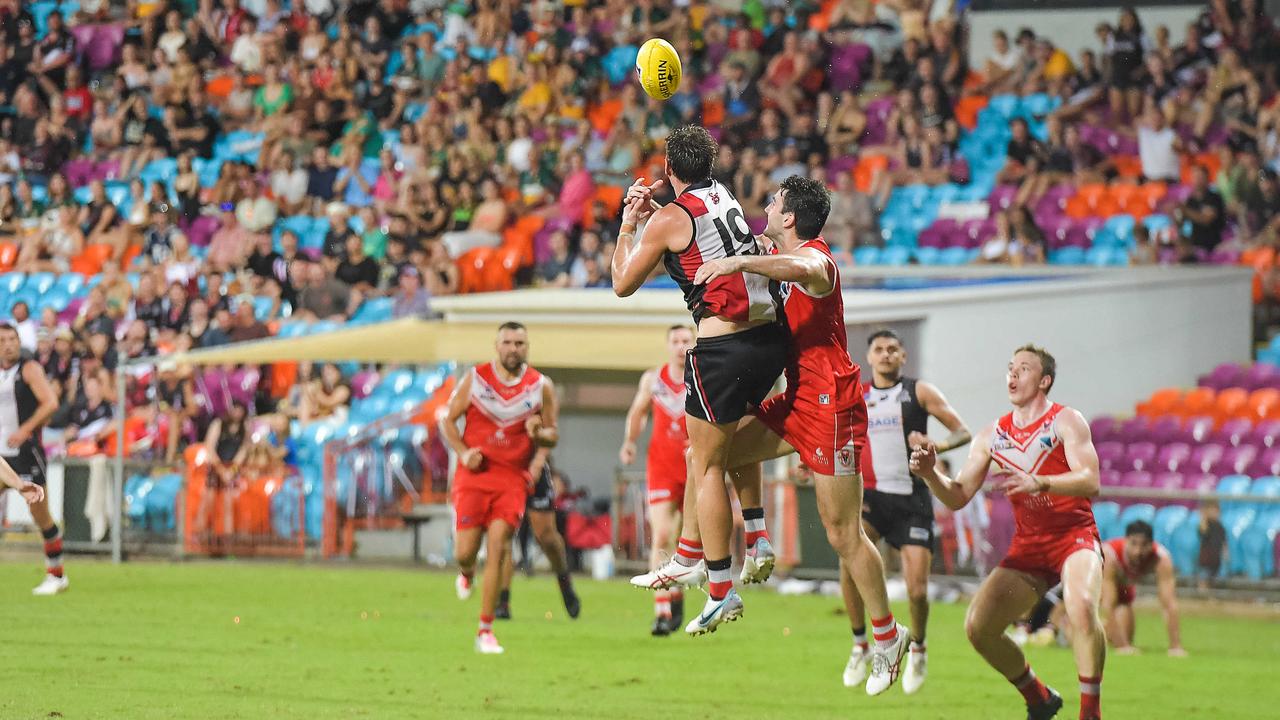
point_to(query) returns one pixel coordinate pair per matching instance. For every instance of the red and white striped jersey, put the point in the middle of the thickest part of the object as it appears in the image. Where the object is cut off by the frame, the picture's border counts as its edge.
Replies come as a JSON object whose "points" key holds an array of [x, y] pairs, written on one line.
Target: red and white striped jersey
{"points": [[495, 425], [720, 230], [1133, 573], [669, 438], [1037, 449]]}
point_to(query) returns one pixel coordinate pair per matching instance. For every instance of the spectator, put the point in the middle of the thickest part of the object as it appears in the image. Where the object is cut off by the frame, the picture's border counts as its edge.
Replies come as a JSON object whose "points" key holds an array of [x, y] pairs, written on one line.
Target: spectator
{"points": [[91, 417], [25, 326], [173, 315], [1213, 544], [357, 270], [1143, 251], [554, 271], [1125, 47], [225, 443], [441, 272], [322, 296], [1158, 147], [1026, 154], [411, 299], [588, 251], [176, 403], [148, 306], [1204, 210], [93, 317], [326, 396], [246, 327], [219, 331]]}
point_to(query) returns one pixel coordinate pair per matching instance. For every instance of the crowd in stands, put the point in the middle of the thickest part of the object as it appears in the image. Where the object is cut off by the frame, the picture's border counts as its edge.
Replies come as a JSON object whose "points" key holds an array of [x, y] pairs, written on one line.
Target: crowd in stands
{"points": [[180, 175]]}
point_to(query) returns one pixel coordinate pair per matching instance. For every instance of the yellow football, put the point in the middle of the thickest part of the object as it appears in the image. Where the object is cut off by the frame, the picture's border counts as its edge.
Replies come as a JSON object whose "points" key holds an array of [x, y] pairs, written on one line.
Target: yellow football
{"points": [[658, 67]]}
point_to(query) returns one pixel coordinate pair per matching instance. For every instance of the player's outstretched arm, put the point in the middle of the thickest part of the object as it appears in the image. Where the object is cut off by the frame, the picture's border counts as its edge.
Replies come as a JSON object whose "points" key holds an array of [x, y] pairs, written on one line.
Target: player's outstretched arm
{"points": [[1167, 590], [634, 260], [954, 493], [1082, 458], [937, 405], [458, 403], [806, 266], [637, 418]]}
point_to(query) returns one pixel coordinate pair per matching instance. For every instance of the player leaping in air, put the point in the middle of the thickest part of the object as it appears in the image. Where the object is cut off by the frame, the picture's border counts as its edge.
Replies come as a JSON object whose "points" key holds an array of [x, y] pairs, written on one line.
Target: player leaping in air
{"points": [[741, 347], [821, 415], [1045, 453]]}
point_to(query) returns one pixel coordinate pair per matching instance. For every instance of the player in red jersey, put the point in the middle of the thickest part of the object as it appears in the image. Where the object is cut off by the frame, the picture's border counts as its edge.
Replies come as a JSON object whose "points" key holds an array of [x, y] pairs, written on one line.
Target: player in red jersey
{"points": [[741, 348], [662, 391], [1045, 453], [1128, 560], [510, 411], [821, 415]]}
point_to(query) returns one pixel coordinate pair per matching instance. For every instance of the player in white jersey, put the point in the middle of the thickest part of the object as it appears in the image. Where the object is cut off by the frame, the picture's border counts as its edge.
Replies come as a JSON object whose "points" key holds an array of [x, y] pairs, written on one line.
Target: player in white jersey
{"points": [[741, 348], [896, 505]]}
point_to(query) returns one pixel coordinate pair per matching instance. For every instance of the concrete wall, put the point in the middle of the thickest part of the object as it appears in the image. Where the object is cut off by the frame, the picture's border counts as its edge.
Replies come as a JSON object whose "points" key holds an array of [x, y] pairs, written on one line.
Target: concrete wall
{"points": [[1069, 29]]}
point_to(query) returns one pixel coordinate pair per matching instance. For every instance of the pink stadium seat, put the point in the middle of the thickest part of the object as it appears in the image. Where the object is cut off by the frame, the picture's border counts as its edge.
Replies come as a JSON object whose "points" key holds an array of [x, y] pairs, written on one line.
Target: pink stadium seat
{"points": [[1200, 428], [1137, 479], [1110, 478], [1173, 456], [1266, 434], [1140, 456], [1204, 456], [1234, 460], [1103, 428], [1135, 429], [1110, 455], [1167, 429], [1233, 432]]}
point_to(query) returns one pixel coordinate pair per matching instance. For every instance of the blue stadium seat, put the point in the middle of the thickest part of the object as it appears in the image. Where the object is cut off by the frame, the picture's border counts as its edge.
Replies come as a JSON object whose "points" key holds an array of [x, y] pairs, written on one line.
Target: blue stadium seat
{"points": [[954, 256], [40, 282], [1257, 545], [1105, 515], [287, 512], [1120, 228], [927, 255], [1004, 105], [262, 308], [1167, 520], [293, 329], [1156, 223], [208, 169], [395, 382], [71, 283], [1067, 256], [1100, 255], [866, 255], [1233, 485], [136, 489], [1268, 486], [1237, 520], [373, 310], [163, 170], [12, 282], [1145, 512], [895, 256], [1185, 544], [55, 298]]}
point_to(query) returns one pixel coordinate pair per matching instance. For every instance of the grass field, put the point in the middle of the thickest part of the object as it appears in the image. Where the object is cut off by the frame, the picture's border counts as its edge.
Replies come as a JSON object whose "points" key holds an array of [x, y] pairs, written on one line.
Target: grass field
{"points": [[151, 640]]}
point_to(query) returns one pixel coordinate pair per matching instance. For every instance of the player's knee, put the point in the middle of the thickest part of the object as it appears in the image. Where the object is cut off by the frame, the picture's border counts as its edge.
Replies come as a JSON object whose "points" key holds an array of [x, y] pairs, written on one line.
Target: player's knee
{"points": [[843, 534], [978, 631], [1082, 612], [918, 593]]}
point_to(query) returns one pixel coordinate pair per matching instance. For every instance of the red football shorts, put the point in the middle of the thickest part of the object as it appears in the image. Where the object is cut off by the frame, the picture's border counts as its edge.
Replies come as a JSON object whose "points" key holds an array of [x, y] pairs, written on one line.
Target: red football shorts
{"points": [[480, 507], [665, 487], [829, 440], [1044, 555], [1126, 594]]}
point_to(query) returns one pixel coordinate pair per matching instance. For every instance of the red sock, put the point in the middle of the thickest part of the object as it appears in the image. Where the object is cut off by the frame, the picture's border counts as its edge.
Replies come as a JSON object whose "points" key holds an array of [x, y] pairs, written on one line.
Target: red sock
{"points": [[1033, 691], [1090, 698], [486, 624], [689, 550], [884, 630]]}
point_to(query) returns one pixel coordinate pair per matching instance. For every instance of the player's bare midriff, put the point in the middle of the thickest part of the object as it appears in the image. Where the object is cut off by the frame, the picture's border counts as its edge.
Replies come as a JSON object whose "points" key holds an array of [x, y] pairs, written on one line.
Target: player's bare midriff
{"points": [[716, 326]]}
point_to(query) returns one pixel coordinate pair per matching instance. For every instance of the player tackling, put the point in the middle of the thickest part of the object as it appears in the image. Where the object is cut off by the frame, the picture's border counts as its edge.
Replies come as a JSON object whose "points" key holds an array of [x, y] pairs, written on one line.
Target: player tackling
{"points": [[662, 392], [1046, 455], [821, 415], [510, 411], [895, 505], [741, 347]]}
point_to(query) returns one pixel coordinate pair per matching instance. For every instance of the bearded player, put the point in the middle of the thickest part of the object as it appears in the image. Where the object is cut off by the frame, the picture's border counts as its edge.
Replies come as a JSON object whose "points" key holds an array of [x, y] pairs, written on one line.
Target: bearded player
{"points": [[821, 415], [741, 347], [510, 411], [27, 401], [1046, 455], [1128, 560], [662, 392], [897, 506]]}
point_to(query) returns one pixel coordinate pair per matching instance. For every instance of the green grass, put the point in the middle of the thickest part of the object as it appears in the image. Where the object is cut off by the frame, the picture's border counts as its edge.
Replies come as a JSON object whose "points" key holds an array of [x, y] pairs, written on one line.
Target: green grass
{"points": [[150, 640]]}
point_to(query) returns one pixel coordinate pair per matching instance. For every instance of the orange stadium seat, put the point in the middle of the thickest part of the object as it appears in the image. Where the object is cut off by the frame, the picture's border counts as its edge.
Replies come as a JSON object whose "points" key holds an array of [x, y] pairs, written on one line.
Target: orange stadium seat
{"points": [[515, 241], [1078, 208], [1153, 192], [821, 20], [1199, 401], [130, 253], [8, 256], [283, 377], [1165, 401], [1122, 191], [1091, 193], [712, 112], [968, 108], [1231, 403], [1264, 404], [471, 269], [611, 196], [603, 116], [1137, 206], [1128, 166], [865, 172], [1107, 206], [495, 276]]}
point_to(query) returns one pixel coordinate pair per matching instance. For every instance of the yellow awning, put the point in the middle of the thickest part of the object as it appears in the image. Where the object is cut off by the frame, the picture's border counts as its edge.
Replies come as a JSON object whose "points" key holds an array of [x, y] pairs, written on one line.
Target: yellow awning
{"points": [[414, 341]]}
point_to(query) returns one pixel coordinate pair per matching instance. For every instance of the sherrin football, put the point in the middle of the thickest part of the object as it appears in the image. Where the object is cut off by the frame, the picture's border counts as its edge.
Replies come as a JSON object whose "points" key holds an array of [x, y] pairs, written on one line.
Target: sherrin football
{"points": [[658, 67]]}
